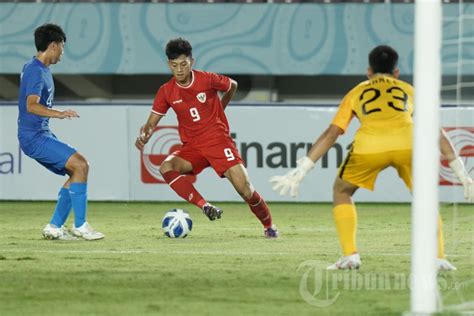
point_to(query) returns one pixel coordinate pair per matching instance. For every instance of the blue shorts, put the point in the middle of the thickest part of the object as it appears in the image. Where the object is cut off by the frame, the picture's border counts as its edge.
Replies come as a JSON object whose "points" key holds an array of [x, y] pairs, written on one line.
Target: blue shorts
{"points": [[49, 151]]}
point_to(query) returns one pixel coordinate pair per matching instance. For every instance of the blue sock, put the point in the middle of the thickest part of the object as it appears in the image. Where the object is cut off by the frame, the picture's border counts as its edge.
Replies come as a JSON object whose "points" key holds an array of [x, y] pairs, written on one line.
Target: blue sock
{"points": [[78, 193], [63, 208]]}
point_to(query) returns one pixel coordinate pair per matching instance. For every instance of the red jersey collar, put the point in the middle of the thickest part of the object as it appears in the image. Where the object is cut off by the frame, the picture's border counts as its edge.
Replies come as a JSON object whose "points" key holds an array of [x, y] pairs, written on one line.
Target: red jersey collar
{"points": [[190, 84]]}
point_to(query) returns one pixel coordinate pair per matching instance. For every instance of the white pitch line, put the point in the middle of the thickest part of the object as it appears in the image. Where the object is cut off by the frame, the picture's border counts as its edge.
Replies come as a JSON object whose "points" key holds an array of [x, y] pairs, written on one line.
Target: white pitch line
{"points": [[466, 308], [188, 252]]}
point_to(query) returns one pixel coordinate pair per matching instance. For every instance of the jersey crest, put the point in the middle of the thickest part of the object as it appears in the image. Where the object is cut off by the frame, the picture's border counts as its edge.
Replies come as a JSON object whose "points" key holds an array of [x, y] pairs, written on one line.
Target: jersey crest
{"points": [[201, 97]]}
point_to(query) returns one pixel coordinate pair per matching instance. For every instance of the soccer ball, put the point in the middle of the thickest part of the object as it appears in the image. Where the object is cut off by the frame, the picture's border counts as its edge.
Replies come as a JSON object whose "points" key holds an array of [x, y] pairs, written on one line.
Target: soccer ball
{"points": [[177, 223]]}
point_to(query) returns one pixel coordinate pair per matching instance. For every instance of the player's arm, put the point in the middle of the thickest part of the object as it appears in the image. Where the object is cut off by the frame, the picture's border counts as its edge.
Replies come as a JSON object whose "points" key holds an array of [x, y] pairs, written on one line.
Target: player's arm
{"points": [[446, 147], [338, 127], [457, 165], [34, 107], [290, 181], [229, 93], [324, 142], [147, 130]]}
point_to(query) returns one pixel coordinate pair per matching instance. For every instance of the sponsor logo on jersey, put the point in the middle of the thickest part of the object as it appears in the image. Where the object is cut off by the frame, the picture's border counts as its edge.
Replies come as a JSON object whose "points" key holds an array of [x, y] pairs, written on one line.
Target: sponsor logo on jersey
{"points": [[463, 141], [177, 101], [164, 141], [201, 97]]}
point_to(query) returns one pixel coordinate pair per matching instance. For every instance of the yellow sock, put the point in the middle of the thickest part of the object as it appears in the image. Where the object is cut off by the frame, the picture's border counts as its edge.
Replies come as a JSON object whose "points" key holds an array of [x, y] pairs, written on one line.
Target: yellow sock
{"points": [[440, 238], [345, 217]]}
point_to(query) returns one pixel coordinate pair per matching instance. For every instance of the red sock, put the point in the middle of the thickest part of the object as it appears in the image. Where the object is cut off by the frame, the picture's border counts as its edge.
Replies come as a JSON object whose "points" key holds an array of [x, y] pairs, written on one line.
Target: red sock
{"points": [[183, 188], [259, 207]]}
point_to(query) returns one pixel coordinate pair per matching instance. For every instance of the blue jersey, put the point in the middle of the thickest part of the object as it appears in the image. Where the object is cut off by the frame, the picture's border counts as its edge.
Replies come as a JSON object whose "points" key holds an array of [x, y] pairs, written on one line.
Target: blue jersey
{"points": [[36, 79], [36, 139]]}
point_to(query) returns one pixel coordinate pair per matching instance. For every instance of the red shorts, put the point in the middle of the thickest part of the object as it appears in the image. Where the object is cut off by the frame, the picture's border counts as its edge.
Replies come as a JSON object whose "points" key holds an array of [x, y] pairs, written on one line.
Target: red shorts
{"points": [[220, 155]]}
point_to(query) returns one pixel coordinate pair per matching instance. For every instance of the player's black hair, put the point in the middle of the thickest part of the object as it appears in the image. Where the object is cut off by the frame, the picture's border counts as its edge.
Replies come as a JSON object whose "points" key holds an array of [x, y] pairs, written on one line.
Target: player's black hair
{"points": [[383, 59], [177, 47], [47, 34]]}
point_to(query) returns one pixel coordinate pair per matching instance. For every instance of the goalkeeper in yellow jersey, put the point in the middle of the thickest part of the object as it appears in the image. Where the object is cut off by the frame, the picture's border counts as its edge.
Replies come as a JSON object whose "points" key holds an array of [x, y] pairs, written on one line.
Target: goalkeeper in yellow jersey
{"points": [[384, 106]]}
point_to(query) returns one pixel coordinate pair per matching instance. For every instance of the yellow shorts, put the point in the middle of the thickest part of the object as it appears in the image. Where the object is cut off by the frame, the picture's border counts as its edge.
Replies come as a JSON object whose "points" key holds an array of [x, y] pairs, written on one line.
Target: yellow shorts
{"points": [[362, 169]]}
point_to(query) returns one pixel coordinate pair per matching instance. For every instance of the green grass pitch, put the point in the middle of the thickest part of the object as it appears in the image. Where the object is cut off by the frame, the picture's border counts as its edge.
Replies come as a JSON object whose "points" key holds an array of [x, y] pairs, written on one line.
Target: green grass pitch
{"points": [[224, 267]]}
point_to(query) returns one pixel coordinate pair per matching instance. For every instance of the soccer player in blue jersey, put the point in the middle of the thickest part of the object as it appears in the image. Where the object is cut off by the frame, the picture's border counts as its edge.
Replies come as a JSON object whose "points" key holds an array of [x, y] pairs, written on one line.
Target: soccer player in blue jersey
{"points": [[35, 105]]}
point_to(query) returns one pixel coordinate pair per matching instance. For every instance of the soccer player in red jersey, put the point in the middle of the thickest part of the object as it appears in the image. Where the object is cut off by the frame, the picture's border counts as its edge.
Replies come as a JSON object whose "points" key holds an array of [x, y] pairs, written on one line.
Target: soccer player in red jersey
{"points": [[204, 132]]}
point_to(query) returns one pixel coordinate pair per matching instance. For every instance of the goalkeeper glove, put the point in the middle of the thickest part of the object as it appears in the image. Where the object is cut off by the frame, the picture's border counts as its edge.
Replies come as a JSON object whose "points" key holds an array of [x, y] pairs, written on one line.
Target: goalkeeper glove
{"points": [[458, 167], [291, 180]]}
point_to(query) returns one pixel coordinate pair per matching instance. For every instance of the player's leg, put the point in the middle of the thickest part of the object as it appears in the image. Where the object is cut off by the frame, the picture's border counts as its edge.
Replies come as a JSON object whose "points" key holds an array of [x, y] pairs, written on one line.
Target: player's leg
{"points": [[77, 167], [357, 171], [239, 178], [47, 150], [56, 229], [345, 215], [174, 170], [63, 206], [403, 164], [442, 263], [225, 159], [345, 219]]}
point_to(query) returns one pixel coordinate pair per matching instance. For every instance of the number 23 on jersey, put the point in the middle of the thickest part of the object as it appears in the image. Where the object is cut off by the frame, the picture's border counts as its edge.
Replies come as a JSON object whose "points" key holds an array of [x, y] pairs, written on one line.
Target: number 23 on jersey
{"points": [[393, 97]]}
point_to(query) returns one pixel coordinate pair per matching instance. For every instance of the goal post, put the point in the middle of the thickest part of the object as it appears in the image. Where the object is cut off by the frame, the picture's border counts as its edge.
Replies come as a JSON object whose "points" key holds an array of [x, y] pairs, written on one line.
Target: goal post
{"points": [[427, 83]]}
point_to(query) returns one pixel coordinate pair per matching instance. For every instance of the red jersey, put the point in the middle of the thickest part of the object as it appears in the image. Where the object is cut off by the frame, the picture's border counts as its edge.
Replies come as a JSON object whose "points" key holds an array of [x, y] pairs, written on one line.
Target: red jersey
{"points": [[197, 106]]}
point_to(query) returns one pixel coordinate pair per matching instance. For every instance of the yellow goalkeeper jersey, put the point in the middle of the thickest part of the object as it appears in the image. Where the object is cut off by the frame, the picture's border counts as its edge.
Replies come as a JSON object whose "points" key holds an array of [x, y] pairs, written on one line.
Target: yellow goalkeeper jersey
{"points": [[384, 107]]}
